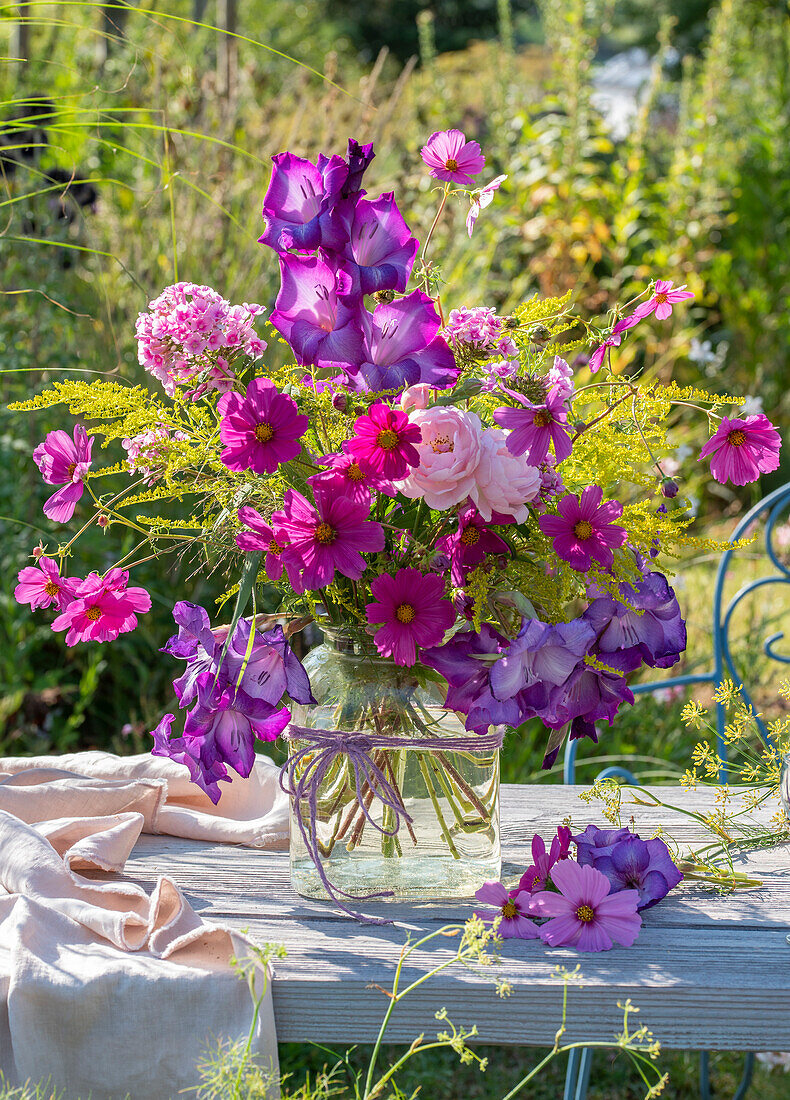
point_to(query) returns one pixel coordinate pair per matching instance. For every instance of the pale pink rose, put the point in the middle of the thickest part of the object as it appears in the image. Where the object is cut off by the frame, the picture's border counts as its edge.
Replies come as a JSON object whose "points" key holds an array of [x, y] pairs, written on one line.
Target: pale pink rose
{"points": [[449, 453], [415, 397], [504, 483]]}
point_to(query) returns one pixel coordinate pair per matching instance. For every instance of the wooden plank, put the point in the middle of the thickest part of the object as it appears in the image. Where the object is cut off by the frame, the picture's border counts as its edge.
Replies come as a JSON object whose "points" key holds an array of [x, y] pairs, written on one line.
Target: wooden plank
{"points": [[707, 971]]}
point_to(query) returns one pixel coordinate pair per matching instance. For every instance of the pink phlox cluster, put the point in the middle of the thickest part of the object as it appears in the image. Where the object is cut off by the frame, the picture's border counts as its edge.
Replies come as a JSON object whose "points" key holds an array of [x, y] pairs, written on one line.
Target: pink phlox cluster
{"points": [[145, 452], [498, 371], [481, 328], [186, 327]]}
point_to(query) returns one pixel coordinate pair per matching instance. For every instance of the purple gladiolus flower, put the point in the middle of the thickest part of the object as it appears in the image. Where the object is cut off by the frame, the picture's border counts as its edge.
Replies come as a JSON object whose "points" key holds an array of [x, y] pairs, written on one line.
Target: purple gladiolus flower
{"points": [[65, 461], [589, 695], [226, 721], [653, 633], [542, 656], [204, 775], [316, 315], [630, 863], [462, 663], [358, 157], [468, 546], [513, 908], [535, 428], [271, 669], [380, 245], [299, 200], [194, 643], [402, 346]]}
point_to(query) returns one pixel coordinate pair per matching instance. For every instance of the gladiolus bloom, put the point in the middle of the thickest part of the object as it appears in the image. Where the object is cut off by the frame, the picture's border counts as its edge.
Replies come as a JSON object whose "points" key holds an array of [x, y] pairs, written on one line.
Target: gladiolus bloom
{"points": [[742, 448], [452, 158], [412, 608], [64, 461]]}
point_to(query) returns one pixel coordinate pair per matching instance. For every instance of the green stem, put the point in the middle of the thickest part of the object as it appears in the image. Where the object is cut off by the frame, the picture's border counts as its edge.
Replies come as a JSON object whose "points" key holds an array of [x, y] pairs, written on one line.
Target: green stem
{"points": [[436, 807]]}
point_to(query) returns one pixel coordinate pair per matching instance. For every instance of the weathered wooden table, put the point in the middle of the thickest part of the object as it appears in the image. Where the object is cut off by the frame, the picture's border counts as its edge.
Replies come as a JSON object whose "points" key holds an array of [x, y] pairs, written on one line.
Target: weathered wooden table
{"points": [[707, 972]]}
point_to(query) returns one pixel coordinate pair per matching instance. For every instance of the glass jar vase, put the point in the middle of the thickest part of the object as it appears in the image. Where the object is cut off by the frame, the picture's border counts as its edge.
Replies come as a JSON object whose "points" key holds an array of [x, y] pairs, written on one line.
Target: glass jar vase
{"points": [[450, 845]]}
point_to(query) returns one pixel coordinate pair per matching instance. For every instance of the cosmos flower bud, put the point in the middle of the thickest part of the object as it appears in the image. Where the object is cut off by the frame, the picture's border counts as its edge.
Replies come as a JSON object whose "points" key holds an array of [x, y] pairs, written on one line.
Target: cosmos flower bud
{"points": [[669, 488], [340, 402]]}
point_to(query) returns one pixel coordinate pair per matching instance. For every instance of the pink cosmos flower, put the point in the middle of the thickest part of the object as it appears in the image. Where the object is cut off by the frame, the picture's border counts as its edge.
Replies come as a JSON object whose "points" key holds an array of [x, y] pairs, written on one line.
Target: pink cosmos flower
{"points": [[102, 608], [665, 296], [742, 448], [468, 546], [452, 158], [449, 446], [331, 536], [481, 199], [385, 442], [42, 585], [412, 608], [513, 908], [598, 356], [504, 483], [64, 461], [534, 428], [261, 429], [583, 529], [261, 537], [584, 914], [346, 477]]}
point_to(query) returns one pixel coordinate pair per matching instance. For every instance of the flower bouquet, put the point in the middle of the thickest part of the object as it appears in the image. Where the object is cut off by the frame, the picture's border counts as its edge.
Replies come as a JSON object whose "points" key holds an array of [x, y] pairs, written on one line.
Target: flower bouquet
{"points": [[473, 524]]}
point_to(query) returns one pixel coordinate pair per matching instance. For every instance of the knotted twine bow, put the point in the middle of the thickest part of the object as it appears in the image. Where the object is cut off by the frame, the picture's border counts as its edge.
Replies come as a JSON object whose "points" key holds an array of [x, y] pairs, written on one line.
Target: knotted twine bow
{"points": [[323, 747]]}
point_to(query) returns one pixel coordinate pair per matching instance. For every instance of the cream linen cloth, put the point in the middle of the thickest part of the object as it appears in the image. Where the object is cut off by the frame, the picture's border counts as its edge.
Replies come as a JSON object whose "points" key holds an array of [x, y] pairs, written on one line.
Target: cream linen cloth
{"points": [[103, 988]]}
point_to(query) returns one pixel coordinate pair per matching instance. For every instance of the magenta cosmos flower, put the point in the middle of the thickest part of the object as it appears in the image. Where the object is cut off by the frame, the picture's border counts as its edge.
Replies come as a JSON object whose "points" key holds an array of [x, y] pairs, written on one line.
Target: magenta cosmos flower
{"points": [[452, 158], [584, 914], [385, 442], [742, 448], [345, 476], [64, 461], [331, 536], [512, 907], [261, 537], [41, 585], [535, 428], [583, 529], [102, 608], [261, 429], [537, 876], [412, 608], [665, 296], [598, 356]]}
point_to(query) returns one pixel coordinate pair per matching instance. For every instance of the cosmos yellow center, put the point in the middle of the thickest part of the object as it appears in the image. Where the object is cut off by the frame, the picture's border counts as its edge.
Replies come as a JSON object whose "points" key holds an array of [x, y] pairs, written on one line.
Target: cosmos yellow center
{"points": [[93, 614], [542, 419], [70, 470], [354, 473], [405, 613], [274, 548], [583, 530], [737, 438], [325, 534], [509, 909], [470, 537], [263, 432], [387, 439], [51, 588], [661, 298], [451, 165], [585, 913]]}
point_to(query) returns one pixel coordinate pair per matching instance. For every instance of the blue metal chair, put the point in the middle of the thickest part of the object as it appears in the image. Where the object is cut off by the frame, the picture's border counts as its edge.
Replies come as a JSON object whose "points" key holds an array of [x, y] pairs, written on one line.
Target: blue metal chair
{"points": [[774, 505]]}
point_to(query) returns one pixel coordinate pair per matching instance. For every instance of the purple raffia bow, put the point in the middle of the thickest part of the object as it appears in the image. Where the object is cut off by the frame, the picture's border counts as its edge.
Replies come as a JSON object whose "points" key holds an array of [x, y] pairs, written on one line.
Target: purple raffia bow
{"points": [[323, 748]]}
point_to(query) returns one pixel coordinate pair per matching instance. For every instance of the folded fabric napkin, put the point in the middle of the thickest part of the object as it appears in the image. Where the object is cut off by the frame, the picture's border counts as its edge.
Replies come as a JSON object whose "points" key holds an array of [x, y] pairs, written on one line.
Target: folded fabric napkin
{"points": [[105, 989]]}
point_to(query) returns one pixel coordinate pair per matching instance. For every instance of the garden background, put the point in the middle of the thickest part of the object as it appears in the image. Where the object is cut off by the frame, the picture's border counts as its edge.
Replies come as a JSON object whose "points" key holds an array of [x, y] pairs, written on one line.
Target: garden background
{"points": [[641, 138]]}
